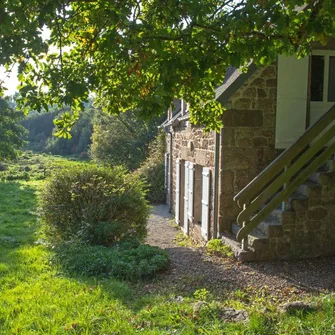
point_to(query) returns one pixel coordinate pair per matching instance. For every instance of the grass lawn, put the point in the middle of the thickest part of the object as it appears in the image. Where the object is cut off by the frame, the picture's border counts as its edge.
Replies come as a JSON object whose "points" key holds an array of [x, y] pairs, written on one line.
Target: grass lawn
{"points": [[36, 297]]}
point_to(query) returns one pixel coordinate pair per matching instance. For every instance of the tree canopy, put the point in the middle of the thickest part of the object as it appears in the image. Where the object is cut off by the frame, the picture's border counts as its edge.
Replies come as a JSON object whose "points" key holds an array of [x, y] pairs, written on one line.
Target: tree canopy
{"points": [[11, 131], [140, 54], [121, 139]]}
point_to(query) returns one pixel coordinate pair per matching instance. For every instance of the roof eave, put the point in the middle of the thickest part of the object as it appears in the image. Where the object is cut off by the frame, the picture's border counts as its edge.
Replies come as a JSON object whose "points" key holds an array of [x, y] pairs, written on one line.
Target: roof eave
{"points": [[236, 84]]}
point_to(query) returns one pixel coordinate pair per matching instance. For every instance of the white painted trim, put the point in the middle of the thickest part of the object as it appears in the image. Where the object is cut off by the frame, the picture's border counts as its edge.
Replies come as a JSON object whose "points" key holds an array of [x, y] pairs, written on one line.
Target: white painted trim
{"points": [[186, 226], [205, 198], [178, 187]]}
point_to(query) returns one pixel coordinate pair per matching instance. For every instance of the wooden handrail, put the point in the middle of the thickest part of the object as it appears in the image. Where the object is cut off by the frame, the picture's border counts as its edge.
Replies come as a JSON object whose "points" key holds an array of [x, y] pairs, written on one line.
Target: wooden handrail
{"points": [[264, 213], [285, 176], [258, 183], [279, 180]]}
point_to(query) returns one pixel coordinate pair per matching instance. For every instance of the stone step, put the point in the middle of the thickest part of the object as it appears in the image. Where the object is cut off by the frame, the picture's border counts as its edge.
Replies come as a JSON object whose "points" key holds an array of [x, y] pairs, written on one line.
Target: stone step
{"points": [[298, 202], [276, 216], [241, 255], [272, 225], [328, 166], [256, 239], [288, 217], [270, 228], [310, 189], [295, 200], [323, 178]]}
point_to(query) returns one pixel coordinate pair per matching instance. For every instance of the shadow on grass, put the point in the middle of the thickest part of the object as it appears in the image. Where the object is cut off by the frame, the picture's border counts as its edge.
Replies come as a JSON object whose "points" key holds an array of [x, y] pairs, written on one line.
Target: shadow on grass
{"points": [[191, 269], [190, 275], [17, 214], [18, 227]]}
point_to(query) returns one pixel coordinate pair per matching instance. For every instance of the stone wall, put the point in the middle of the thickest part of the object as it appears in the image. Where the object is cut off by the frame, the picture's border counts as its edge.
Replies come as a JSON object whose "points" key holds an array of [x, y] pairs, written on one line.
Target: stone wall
{"points": [[246, 144], [247, 139], [307, 229], [191, 143]]}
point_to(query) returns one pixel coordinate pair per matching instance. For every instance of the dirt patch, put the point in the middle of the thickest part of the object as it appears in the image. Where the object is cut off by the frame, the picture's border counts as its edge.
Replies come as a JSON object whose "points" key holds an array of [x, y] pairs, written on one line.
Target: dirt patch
{"points": [[192, 269]]}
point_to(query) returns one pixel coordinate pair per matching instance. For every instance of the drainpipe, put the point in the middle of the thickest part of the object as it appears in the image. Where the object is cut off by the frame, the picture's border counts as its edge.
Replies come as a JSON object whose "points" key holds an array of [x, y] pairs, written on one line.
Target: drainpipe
{"points": [[216, 184]]}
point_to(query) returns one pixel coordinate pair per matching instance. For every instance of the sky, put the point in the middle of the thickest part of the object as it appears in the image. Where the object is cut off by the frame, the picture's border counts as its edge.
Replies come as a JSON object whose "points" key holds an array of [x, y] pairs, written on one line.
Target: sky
{"points": [[10, 81]]}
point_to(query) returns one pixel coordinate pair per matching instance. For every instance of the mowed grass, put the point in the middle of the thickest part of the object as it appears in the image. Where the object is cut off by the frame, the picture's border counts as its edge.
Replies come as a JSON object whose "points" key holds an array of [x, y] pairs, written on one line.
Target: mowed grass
{"points": [[37, 297]]}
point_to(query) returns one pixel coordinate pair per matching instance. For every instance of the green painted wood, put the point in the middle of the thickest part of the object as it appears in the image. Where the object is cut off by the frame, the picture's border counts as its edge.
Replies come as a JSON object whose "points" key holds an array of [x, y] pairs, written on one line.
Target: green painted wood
{"points": [[258, 183], [274, 203], [285, 177]]}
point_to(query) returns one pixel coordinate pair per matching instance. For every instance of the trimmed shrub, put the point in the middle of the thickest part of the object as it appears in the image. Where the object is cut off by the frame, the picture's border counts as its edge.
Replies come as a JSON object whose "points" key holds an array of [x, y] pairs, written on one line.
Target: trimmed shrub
{"points": [[128, 260], [96, 205], [152, 170]]}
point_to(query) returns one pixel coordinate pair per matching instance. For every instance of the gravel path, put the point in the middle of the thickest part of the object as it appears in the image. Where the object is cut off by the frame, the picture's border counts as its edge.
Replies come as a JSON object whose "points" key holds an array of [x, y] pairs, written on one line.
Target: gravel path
{"points": [[192, 268]]}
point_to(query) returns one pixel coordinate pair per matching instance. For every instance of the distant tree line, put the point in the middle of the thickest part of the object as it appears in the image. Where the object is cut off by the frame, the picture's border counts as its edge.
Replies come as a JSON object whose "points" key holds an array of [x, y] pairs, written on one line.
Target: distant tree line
{"points": [[11, 131], [108, 139]]}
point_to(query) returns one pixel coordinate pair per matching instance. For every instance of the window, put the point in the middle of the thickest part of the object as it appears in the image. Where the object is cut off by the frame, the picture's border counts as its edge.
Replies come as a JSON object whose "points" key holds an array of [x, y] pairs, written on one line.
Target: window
{"points": [[331, 79], [323, 77], [318, 64]]}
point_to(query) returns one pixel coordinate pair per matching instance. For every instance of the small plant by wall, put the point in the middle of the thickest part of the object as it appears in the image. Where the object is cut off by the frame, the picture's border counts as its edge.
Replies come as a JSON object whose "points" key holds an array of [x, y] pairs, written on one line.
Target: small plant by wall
{"points": [[217, 248]]}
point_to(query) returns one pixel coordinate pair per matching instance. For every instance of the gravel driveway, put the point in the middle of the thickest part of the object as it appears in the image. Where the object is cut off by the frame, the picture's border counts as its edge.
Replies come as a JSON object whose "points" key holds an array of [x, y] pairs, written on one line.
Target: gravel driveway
{"points": [[192, 268]]}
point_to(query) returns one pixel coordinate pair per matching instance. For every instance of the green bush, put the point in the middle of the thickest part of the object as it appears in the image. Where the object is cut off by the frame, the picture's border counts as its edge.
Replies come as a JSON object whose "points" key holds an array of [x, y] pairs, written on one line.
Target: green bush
{"points": [[152, 170], [96, 205], [128, 260]]}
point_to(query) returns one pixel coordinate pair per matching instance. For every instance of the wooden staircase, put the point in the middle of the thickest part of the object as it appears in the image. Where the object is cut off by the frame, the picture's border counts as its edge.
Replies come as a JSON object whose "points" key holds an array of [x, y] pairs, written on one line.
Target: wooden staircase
{"points": [[288, 210]]}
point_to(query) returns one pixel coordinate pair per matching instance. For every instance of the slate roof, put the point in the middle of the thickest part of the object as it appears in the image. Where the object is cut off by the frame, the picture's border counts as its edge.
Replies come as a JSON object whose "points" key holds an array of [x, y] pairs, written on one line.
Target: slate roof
{"points": [[234, 79]]}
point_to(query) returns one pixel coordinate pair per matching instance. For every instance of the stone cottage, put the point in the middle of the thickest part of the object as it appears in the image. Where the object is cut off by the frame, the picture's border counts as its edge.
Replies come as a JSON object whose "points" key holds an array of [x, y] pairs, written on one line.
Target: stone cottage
{"points": [[264, 184]]}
